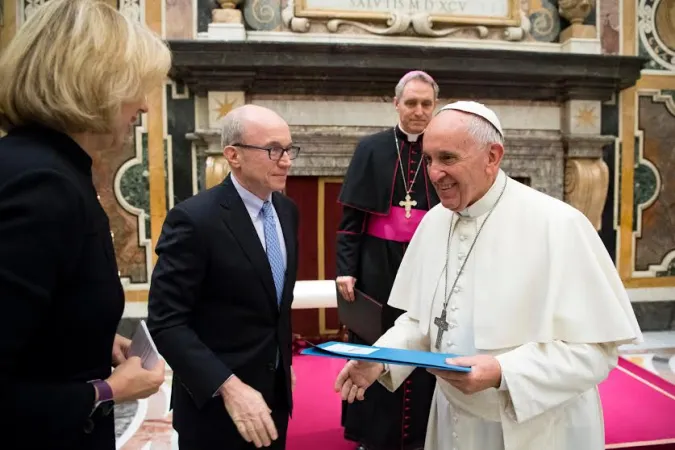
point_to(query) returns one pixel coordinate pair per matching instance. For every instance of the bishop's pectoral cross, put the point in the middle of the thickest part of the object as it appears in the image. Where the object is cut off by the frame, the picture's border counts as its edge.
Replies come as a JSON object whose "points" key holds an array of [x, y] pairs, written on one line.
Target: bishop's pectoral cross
{"points": [[408, 204], [442, 324]]}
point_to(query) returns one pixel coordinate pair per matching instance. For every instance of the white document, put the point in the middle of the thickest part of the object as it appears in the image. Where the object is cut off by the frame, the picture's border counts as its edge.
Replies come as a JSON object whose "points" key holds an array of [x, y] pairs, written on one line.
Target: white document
{"points": [[143, 346], [350, 349]]}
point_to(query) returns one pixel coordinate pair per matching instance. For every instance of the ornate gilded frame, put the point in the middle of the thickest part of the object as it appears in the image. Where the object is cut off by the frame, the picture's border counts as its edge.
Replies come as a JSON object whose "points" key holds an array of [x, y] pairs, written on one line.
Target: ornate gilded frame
{"points": [[512, 19]]}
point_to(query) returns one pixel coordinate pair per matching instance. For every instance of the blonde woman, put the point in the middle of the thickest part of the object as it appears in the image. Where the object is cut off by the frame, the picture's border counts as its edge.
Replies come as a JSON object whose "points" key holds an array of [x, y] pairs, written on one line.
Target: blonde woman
{"points": [[74, 81]]}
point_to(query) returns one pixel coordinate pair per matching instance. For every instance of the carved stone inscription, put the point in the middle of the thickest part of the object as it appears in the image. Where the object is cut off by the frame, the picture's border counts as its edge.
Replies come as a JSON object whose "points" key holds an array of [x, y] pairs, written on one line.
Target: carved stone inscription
{"points": [[457, 11], [455, 7]]}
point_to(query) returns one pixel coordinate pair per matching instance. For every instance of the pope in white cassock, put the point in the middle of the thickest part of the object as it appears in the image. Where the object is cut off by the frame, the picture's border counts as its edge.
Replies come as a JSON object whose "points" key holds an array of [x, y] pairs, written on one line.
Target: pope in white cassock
{"points": [[517, 282]]}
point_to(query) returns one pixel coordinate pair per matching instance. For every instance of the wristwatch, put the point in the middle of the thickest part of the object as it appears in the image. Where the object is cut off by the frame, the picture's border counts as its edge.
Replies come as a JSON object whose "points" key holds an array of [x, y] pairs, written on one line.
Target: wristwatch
{"points": [[105, 396]]}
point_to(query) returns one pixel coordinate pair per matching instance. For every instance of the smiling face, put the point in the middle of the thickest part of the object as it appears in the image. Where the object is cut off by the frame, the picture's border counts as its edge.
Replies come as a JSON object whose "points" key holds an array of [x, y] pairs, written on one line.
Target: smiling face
{"points": [[461, 169], [416, 105], [253, 167]]}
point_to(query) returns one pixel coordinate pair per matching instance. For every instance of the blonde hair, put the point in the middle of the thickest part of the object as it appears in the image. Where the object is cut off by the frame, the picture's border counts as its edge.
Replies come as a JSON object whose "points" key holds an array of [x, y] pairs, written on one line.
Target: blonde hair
{"points": [[74, 63]]}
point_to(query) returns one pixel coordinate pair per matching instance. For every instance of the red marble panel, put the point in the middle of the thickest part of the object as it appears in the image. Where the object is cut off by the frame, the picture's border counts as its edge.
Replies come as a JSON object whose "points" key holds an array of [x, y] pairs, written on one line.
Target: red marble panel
{"points": [[658, 220], [130, 256], [179, 19], [609, 26]]}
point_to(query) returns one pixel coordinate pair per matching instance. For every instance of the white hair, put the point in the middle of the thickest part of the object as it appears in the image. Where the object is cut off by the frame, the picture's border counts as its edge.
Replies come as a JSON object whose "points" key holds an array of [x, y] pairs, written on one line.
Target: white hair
{"points": [[232, 130], [483, 131], [415, 75]]}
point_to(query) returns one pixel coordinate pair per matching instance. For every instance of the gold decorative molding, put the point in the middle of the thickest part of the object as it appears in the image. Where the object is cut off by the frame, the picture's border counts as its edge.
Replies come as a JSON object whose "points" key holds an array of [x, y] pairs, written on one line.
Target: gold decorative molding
{"points": [[8, 25], [217, 169], [156, 136], [586, 186]]}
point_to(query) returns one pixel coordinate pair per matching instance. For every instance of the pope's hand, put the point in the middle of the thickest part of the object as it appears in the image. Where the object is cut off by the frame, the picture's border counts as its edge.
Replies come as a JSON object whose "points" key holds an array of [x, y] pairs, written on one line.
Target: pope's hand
{"points": [[486, 372], [355, 377], [249, 412], [345, 286]]}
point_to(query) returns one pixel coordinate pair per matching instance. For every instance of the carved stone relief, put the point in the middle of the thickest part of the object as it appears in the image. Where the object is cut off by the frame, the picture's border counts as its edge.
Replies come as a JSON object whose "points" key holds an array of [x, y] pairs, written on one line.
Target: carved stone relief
{"points": [[263, 15], [545, 22], [399, 22], [656, 31], [586, 175]]}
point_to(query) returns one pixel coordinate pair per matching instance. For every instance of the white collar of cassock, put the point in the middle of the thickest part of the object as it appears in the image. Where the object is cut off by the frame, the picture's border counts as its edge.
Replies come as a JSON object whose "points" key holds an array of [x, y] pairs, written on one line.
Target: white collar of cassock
{"points": [[487, 201], [411, 137]]}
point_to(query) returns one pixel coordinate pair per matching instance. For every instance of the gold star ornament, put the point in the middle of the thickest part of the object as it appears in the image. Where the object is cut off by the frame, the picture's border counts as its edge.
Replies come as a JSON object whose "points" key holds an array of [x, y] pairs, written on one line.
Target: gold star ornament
{"points": [[586, 117], [223, 108]]}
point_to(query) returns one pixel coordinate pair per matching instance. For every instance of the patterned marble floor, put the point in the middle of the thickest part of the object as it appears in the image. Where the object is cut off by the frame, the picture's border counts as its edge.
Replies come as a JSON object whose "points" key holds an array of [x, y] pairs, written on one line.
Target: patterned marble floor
{"points": [[146, 425], [657, 354]]}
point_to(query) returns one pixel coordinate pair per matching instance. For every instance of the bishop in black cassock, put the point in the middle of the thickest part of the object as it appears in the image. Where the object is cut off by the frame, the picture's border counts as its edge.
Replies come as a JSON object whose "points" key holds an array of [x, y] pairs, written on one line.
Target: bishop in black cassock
{"points": [[373, 235]]}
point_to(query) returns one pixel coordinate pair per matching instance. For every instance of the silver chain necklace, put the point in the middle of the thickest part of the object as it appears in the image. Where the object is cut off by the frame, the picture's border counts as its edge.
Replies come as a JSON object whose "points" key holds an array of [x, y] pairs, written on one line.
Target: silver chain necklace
{"points": [[441, 322]]}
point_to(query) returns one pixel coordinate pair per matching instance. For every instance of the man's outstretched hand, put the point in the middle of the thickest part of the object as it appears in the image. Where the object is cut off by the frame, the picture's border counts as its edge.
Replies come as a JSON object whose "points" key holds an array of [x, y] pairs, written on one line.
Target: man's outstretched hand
{"points": [[355, 377], [249, 412]]}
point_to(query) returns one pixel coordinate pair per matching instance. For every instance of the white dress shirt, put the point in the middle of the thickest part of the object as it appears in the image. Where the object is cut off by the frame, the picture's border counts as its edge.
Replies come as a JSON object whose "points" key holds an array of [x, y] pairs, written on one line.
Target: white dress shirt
{"points": [[254, 207]]}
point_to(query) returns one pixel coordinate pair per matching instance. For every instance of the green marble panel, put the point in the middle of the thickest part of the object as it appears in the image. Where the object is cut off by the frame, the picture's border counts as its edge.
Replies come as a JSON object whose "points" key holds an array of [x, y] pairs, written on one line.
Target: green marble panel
{"points": [[644, 186], [135, 185]]}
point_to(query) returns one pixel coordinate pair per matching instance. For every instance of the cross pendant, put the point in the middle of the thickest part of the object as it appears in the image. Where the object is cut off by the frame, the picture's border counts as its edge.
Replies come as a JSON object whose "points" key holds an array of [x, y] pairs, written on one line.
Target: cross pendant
{"points": [[408, 204], [442, 325]]}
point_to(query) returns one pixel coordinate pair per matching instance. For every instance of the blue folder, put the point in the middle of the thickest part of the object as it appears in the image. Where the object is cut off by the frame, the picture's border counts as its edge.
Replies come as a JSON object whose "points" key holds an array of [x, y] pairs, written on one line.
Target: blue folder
{"points": [[385, 355]]}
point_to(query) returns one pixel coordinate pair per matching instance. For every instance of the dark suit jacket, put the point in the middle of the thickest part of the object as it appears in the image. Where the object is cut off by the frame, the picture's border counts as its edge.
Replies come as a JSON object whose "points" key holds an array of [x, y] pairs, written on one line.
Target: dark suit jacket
{"points": [[213, 310], [60, 295]]}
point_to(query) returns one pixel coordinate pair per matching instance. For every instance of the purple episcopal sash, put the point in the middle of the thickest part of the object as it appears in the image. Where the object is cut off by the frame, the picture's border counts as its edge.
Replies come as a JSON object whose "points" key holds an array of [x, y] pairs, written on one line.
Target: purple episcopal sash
{"points": [[395, 226]]}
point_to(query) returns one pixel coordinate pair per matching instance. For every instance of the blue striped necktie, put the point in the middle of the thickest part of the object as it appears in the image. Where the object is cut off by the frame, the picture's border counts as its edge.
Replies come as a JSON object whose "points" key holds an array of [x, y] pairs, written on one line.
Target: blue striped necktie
{"points": [[273, 248]]}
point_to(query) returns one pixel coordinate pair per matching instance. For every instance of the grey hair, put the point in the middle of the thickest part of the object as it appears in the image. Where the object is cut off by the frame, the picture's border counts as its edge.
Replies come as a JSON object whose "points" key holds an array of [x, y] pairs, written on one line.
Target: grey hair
{"points": [[483, 131], [232, 130], [416, 75]]}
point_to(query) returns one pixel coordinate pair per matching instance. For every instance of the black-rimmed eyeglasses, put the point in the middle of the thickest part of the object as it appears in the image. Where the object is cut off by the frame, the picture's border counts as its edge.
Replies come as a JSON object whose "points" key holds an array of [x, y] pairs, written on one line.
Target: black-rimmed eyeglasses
{"points": [[275, 152]]}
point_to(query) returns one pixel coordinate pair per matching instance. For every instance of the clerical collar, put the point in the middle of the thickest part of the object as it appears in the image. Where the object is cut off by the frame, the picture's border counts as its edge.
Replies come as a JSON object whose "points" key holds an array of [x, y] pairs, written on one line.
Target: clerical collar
{"points": [[487, 201], [411, 137]]}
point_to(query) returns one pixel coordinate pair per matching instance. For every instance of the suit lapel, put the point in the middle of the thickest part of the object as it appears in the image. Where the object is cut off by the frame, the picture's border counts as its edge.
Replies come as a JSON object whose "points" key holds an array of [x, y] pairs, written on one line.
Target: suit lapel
{"points": [[238, 220], [286, 221]]}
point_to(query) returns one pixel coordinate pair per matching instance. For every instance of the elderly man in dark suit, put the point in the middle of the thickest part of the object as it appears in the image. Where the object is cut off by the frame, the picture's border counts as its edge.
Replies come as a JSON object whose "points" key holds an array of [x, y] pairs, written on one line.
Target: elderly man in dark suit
{"points": [[221, 293]]}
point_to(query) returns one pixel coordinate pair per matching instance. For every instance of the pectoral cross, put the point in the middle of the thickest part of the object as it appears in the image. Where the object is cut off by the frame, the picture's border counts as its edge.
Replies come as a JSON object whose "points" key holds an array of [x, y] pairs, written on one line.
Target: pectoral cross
{"points": [[442, 325], [408, 204]]}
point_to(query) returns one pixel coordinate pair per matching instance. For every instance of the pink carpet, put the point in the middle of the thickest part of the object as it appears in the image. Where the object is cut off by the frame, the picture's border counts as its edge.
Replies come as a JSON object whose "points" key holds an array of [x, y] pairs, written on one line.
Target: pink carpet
{"points": [[317, 407], [639, 408]]}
